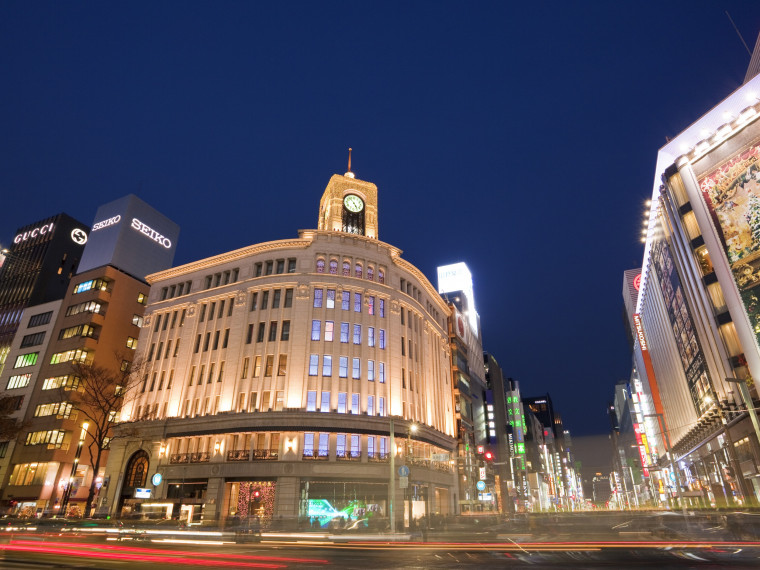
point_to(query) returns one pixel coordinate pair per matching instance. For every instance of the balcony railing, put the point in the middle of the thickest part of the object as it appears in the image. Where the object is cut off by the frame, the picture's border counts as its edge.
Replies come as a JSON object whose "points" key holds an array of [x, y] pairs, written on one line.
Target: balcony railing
{"points": [[377, 456], [238, 455], [179, 458], [347, 456], [202, 457], [265, 454], [322, 455]]}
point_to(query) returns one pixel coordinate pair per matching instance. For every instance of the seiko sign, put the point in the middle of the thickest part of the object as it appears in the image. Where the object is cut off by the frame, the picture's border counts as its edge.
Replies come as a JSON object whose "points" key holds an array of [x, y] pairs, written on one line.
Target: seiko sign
{"points": [[105, 223], [151, 233], [640, 332], [40, 231]]}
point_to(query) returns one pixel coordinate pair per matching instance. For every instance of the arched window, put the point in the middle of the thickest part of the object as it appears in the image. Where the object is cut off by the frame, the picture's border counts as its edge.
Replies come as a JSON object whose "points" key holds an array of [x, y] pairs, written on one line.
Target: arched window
{"points": [[137, 470], [346, 269], [358, 271], [320, 265], [371, 273], [380, 276], [333, 267]]}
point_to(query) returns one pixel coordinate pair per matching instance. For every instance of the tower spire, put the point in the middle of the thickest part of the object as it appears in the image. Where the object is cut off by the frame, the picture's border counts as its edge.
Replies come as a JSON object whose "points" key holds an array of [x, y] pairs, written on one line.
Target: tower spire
{"points": [[349, 174]]}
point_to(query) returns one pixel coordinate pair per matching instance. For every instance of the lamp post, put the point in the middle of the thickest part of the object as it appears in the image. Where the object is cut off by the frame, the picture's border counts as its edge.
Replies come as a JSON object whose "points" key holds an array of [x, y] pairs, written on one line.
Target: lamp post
{"points": [[412, 428], [70, 482], [392, 481]]}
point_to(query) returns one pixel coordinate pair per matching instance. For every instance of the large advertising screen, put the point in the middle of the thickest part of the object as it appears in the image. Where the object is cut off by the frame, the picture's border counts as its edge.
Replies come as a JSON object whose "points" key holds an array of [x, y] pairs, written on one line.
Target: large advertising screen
{"points": [[731, 192]]}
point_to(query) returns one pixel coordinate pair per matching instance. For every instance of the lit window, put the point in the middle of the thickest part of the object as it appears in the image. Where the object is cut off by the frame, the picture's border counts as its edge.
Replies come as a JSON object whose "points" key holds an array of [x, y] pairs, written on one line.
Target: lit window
{"points": [[327, 365], [343, 367], [333, 267], [316, 329], [318, 298], [330, 299], [320, 267]]}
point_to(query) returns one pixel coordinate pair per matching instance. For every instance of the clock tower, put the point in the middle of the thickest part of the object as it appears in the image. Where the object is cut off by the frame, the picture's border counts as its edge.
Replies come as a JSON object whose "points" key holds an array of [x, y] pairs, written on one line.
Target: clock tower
{"points": [[349, 205]]}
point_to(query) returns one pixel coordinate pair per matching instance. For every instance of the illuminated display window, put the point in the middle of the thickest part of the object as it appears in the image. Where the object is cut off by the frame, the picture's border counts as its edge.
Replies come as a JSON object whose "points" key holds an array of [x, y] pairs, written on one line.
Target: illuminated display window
{"points": [[69, 355], [18, 381], [29, 359], [97, 284]]}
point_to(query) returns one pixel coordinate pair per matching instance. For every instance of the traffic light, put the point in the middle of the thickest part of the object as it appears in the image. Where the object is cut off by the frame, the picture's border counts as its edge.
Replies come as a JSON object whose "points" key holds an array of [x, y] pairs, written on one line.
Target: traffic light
{"points": [[256, 495], [488, 456]]}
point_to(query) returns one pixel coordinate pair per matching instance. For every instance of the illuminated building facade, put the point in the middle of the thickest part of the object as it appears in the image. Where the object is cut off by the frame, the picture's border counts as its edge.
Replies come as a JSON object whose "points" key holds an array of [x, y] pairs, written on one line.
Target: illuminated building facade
{"points": [[271, 373], [469, 384], [97, 323], [697, 321], [37, 268]]}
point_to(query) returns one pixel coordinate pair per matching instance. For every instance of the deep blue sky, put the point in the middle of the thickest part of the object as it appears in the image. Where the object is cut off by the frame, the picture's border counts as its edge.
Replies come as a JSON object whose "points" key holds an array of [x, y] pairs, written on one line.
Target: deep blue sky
{"points": [[519, 139]]}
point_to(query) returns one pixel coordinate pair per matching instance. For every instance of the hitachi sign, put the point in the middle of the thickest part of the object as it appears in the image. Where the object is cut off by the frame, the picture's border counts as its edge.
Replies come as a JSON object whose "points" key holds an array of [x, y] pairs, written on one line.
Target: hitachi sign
{"points": [[40, 231], [151, 233]]}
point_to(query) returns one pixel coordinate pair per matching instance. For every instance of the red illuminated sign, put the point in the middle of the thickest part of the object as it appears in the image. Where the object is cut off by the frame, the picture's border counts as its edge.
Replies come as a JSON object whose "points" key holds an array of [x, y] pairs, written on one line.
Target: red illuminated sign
{"points": [[637, 282]]}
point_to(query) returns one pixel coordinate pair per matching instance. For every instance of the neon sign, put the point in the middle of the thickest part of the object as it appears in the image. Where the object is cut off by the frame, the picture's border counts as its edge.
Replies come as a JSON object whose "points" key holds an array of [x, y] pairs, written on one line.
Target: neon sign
{"points": [[145, 229], [640, 332], [40, 231], [105, 223]]}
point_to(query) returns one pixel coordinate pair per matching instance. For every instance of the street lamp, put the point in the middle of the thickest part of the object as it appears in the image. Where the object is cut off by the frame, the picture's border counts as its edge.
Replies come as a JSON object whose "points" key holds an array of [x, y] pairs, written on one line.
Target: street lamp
{"points": [[674, 469], [70, 482]]}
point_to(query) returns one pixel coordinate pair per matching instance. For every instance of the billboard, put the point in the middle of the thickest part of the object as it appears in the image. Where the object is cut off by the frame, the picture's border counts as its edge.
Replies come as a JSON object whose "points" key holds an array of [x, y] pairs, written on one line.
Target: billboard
{"points": [[132, 236], [731, 192]]}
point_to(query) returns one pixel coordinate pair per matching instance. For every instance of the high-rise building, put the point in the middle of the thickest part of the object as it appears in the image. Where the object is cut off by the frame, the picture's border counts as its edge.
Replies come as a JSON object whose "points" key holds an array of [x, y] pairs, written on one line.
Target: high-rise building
{"points": [[37, 268], [62, 450], [296, 379], [696, 320]]}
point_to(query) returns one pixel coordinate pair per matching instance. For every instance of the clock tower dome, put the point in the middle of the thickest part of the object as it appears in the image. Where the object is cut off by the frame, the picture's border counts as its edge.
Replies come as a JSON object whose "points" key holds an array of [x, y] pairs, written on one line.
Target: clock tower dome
{"points": [[349, 205]]}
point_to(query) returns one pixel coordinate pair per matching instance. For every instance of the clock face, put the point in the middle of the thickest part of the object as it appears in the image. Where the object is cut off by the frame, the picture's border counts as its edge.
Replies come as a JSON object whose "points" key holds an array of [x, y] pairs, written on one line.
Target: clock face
{"points": [[353, 203]]}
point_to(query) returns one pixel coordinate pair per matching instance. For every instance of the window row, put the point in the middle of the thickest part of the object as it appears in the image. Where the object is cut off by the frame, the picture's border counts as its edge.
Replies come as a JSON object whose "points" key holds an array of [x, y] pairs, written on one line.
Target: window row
{"points": [[328, 301], [62, 409], [157, 353], [346, 445], [171, 317], [276, 296], [261, 330], [163, 379], [268, 366], [346, 331], [78, 355], [177, 290], [32, 339], [67, 382], [100, 284], [358, 270], [373, 372], [274, 266], [40, 319], [53, 438], [221, 278], [87, 330], [342, 407], [207, 343], [28, 359], [18, 381], [212, 312], [87, 307]]}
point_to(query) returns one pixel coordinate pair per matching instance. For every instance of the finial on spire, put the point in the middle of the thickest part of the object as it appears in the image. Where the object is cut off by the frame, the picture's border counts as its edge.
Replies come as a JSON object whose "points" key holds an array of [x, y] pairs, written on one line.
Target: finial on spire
{"points": [[349, 173]]}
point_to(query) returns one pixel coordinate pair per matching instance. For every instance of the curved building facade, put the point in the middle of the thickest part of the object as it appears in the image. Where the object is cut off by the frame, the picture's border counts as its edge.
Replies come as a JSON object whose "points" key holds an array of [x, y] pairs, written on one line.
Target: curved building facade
{"points": [[275, 386]]}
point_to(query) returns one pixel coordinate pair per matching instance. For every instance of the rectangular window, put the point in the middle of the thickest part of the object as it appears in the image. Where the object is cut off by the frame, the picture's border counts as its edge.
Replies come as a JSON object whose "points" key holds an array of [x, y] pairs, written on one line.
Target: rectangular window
{"points": [[268, 267], [370, 405], [357, 302], [370, 305], [210, 373], [279, 400], [269, 365], [340, 445], [384, 447], [370, 336], [276, 298], [244, 373], [357, 334], [329, 329], [285, 334], [345, 299], [313, 365], [382, 339], [197, 344], [216, 340], [37, 338], [381, 406], [266, 401], [30, 359], [79, 355], [327, 365], [288, 298], [371, 446], [260, 332], [341, 402], [311, 401], [224, 342], [203, 313], [381, 372], [249, 336], [252, 401], [257, 270], [174, 318], [355, 449], [344, 332], [292, 265], [371, 370], [325, 403], [343, 367], [18, 381], [356, 369], [330, 299], [254, 300], [92, 284], [221, 309], [86, 307], [221, 373], [44, 318], [308, 444], [354, 403], [282, 365], [318, 298], [381, 308], [272, 331], [131, 342], [316, 329], [264, 300], [280, 266], [192, 374], [257, 366], [168, 348]]}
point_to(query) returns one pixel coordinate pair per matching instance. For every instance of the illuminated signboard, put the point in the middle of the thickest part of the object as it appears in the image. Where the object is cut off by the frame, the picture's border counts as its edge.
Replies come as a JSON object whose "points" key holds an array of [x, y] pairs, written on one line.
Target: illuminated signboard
{"points": [[142, 493], [637, 282], [640, 332], [31, 234], [457, 277], [105, 223]]}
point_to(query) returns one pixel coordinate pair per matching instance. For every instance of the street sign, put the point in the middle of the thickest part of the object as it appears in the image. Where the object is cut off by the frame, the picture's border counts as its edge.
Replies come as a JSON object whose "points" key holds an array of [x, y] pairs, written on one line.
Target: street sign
{"points": [[403, 482], [481, 485], [403, 471], [482, 472]]}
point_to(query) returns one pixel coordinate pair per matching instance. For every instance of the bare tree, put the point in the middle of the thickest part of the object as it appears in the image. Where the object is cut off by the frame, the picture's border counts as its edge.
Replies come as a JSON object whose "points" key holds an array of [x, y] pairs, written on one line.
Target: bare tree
{"points": [[98, 398], [10, 427]]}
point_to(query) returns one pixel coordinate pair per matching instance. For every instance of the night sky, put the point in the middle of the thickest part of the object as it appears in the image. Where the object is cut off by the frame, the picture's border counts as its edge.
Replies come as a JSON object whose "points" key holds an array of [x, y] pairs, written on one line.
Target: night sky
{"points": [[520, 139]]}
